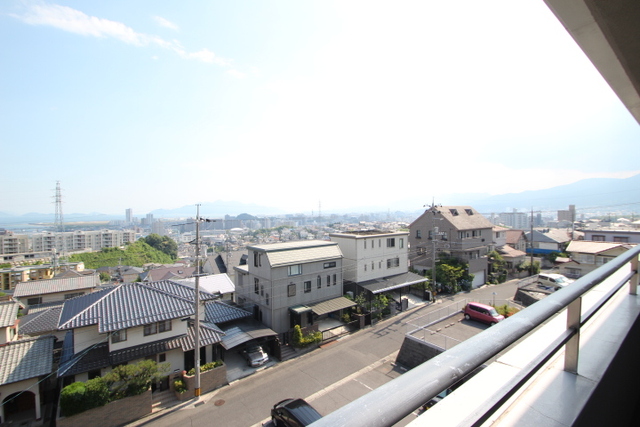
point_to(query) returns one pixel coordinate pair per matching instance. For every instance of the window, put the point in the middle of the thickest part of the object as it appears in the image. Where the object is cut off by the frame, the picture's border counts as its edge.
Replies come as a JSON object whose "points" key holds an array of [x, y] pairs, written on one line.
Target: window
{"points": [[379, 243], [476, 233], [307, 287], [365, 267], [295, 270], [150, 329], [118, 336], [34, 301], [329, 264], [154, 328], [598, 238], [469, 211], [319, 282], [401, 243], [391, 242], [621, 239], [454, 212], [164, 326], [334, 280], [365, 244], [266, 296], [256, 285], [162, 357], [372, 266], [291, 290], [393, 262], [418, 234], [257, 259], [328, 280], [262, 290]]}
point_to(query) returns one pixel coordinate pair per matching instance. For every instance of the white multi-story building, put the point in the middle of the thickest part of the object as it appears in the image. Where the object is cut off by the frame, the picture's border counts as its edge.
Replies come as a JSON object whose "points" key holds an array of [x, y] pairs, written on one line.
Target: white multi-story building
{"points": [[376, 262], [80, 240]]}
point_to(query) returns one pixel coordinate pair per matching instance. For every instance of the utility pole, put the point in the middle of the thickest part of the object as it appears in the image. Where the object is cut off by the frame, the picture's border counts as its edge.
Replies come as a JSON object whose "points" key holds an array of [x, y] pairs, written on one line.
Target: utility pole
{"points": [[531, 246], [196, 323]]}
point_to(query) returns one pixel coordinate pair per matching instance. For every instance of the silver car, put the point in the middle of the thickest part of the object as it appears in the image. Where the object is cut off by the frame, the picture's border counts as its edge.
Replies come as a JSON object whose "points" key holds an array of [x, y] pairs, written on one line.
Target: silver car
{"points": [[255, 356]]}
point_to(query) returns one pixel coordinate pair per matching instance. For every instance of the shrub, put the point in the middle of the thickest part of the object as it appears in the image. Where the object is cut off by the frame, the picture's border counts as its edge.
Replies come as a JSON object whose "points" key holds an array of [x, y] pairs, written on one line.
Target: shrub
{"points": [[206, 367], [506, 311], [132, 380], [346, 318], [79, 397], [300, 340], [179, 386]]}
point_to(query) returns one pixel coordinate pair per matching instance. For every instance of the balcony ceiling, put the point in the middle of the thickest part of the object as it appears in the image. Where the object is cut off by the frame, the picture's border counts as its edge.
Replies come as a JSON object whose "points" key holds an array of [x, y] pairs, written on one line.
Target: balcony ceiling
{"points": [[609, 34]]}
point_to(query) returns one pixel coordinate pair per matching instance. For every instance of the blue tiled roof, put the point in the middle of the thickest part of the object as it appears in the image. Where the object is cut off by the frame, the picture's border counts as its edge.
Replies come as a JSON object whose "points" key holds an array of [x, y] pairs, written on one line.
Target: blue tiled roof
{"points": [[180, 290], [125, 306], [43, 320]]}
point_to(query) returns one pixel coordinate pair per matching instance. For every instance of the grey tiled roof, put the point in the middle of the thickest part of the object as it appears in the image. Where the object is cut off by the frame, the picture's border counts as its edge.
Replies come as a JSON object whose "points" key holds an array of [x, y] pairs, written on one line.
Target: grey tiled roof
{"points": [[41, 321], [25, 359], [209, 334], [220, 312], [281, 254], [42, 287], [180, 290], [124, 306], [8, 313]]}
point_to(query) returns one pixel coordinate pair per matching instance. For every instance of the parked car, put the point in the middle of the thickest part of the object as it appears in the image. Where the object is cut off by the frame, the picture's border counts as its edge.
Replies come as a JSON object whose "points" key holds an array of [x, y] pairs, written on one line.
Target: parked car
{"points": [[436, 399], [255, 356], [293, 413], [482, 312], [554, 281]]}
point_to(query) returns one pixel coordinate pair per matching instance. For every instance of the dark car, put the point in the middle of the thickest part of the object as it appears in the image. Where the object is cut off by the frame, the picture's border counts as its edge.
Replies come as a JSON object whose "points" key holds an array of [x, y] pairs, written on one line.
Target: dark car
{"points": [[293, 413]]}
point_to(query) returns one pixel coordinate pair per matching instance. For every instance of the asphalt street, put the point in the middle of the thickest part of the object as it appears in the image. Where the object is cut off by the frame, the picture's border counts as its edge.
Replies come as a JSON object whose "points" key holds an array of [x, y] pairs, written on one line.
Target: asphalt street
{"points": [[328, 377]]}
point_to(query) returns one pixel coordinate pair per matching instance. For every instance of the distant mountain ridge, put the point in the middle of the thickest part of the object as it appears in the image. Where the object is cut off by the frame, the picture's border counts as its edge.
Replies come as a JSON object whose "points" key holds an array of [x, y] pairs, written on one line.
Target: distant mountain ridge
{"points": [[593, 195]]}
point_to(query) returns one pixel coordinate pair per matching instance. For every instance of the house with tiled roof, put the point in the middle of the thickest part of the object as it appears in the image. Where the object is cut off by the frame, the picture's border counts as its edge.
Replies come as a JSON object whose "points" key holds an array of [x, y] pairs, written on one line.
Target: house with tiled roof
{"points": [[25, 367], [516, 239], [217, 284], [44, 291], [8, 321], [285, 283], [135, 321], [457, 231], [168, 273], [586, 256], [42, 319]]}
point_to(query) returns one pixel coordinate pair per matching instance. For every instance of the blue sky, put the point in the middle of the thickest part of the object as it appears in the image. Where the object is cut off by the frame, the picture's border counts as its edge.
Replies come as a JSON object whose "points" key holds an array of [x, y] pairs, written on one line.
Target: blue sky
{"points": [[157, 104]]}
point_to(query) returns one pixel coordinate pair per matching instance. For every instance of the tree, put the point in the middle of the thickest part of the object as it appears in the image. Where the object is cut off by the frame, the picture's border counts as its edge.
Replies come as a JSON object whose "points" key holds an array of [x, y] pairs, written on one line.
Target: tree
{"points": [[132, 380], [162, 243], [104, 277]]}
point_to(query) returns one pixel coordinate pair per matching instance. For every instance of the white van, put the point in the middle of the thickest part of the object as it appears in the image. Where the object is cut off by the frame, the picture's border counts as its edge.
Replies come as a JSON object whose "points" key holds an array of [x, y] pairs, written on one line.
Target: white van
{"points": [[555, 281]]}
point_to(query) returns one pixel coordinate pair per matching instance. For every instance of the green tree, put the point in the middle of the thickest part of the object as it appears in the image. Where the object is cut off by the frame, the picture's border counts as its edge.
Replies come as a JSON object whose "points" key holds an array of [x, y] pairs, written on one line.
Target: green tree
{"points": [[132, 380], [163, 243], [105, 277]]}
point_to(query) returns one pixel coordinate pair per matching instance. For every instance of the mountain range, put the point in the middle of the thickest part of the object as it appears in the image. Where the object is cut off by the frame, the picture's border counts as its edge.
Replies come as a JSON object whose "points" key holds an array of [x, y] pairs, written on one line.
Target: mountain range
{"points": [[596, 195]]}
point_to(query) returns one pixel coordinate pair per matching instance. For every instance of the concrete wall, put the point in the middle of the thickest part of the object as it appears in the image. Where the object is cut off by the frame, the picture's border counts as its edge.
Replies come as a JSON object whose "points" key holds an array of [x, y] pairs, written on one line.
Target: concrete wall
{"points": [[116, 413], [414, 352]]}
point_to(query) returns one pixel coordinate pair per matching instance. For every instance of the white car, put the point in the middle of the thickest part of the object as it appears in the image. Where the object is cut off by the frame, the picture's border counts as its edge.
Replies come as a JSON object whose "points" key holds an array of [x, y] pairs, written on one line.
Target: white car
{"points": [[555, 281]]}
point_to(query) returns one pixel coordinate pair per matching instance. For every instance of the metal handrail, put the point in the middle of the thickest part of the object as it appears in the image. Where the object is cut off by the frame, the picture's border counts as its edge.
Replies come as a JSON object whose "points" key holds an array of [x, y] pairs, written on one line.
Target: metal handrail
{"points": [[391, 402]]}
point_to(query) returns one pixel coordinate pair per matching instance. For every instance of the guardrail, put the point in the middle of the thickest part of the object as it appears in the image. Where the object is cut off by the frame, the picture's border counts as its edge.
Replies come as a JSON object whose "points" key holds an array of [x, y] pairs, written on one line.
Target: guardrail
{"points": [[396, 399]]}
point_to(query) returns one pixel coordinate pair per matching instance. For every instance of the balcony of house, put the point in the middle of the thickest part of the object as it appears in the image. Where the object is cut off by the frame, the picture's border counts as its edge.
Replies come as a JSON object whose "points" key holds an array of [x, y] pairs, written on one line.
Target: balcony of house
{"points": [[569, 359]]}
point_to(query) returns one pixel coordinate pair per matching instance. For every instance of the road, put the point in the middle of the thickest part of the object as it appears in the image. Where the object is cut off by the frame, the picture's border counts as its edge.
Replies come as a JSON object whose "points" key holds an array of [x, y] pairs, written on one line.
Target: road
{"points": [[328, 377]]}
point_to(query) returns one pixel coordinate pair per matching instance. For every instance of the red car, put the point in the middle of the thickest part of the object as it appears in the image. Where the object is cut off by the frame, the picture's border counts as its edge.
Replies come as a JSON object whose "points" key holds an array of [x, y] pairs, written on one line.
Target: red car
{"points": [[482, 312]]}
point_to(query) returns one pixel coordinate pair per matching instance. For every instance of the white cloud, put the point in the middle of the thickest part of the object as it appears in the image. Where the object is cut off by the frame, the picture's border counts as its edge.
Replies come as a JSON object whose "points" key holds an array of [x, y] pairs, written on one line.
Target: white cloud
{"points": [[77, 22], [165, 23]]}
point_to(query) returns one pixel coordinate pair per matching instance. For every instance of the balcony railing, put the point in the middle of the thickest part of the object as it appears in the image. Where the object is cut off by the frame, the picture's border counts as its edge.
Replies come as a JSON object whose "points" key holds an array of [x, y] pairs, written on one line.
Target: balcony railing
{"points": [[393, 401]]}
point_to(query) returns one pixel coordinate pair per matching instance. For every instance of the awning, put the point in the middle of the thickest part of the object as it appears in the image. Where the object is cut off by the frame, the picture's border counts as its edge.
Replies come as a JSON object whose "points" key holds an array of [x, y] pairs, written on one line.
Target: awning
{"points": [[299, 309], [331, 305], [394, 282], [240, 333]]}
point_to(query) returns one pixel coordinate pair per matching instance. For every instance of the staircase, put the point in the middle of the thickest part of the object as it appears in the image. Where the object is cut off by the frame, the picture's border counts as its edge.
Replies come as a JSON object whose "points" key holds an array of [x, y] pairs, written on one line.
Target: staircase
{"points": [[287, 352], [163, 399]]}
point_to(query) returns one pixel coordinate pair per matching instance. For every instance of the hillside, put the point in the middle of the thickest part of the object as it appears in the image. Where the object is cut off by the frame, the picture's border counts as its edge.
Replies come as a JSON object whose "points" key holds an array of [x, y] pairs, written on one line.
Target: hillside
{"points": [[136, 254]]}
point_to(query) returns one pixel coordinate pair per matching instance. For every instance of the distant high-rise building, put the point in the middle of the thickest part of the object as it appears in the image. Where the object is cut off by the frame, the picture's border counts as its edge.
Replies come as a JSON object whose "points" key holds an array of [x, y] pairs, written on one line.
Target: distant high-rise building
{"points": [[129, 215], [567, 215], [149, 219]]}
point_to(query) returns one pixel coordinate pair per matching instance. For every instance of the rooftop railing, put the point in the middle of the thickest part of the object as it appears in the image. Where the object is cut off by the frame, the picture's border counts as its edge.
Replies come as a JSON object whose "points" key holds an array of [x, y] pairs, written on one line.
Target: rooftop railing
{"points": [[393, 401]]}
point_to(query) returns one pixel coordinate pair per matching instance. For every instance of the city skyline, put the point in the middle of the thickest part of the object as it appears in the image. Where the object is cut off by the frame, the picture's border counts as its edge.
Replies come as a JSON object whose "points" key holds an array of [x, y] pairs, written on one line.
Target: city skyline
{"points": [[156, 105]]}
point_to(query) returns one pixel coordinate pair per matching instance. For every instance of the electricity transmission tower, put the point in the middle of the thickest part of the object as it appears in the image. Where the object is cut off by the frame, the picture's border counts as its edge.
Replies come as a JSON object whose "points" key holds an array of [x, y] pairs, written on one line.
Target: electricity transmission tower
{"points": [[59, 221]]}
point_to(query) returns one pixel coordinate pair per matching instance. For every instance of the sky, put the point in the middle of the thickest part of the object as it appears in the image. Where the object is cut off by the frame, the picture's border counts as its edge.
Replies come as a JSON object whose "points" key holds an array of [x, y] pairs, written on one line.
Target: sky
{"points": [[296, 104]]}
